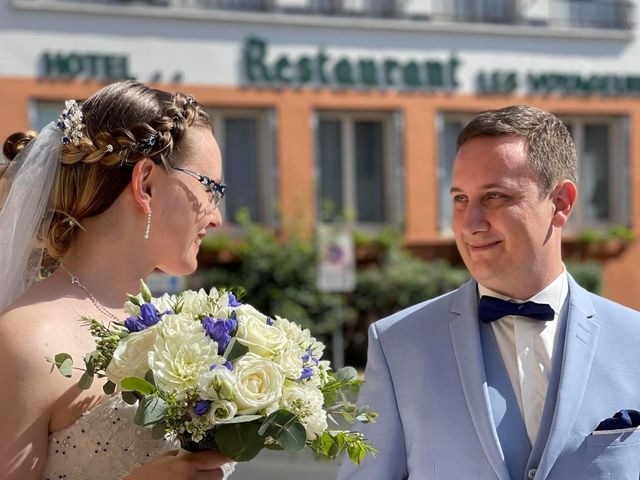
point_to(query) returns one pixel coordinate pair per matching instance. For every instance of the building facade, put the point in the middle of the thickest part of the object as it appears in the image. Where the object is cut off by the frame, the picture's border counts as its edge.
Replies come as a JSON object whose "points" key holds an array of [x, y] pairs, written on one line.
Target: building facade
{"points": [[348, 110]]}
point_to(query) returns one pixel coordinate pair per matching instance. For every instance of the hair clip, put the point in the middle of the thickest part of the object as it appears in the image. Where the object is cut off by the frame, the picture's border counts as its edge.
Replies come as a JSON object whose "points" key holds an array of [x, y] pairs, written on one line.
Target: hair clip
{"points": [[109, 148], [70, 123]]}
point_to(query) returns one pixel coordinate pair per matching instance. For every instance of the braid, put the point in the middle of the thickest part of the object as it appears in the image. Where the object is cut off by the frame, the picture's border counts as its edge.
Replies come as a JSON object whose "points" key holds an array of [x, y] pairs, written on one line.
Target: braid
{"points": [[155, 139]]}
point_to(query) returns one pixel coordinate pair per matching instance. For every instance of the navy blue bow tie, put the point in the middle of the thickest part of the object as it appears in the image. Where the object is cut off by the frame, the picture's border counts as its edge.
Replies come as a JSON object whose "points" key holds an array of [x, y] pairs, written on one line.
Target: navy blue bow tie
{"points": [[491, 309]]}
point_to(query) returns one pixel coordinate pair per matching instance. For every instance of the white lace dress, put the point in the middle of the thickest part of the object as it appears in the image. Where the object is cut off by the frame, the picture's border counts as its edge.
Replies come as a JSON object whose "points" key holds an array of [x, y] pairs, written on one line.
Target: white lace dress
{"points": [[104, 444]]}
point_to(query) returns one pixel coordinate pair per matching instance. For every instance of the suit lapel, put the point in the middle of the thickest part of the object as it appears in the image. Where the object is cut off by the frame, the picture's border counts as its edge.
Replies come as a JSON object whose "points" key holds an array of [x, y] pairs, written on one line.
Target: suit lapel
{"points": [[580, 344], [465, 336]]}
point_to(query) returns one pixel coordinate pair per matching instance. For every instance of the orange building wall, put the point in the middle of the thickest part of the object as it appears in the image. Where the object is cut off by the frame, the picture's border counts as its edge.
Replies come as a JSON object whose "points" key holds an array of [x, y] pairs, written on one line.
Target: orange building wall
{"points": [[295, 152]]}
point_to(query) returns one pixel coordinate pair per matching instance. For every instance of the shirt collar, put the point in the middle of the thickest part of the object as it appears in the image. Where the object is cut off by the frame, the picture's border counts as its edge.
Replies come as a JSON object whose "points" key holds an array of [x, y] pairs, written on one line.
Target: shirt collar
{"points": [[553, 294]]}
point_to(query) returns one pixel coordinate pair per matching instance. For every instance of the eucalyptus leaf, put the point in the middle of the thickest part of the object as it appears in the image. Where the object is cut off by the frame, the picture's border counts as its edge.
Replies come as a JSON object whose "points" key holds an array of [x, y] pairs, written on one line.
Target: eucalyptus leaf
{"points": [[89, 362], [139, 385], [293, 437], [129, 397], [86, 380], [151, 410], [239, 441], [347, 374], [109, 387], [286, 429], [64, 362], [234, 350]]}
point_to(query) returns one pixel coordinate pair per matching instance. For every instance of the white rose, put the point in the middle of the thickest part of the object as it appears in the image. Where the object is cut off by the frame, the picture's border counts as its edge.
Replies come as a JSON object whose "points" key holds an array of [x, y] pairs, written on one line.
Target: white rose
{"points": [[260, 337], [178, 360], [290, 360], [130, 358], [306, 402], [259, 383], [217, 384], [221, 411], [293, 331]]}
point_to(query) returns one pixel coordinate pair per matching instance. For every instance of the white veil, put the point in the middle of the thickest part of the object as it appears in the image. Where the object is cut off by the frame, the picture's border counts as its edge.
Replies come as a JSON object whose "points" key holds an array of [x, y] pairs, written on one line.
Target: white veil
{"points": [[26, 208]]}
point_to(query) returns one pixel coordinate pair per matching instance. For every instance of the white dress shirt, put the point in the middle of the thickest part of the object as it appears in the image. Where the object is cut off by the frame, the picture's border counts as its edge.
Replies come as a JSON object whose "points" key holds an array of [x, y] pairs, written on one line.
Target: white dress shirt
{"points": [[526, 346]]}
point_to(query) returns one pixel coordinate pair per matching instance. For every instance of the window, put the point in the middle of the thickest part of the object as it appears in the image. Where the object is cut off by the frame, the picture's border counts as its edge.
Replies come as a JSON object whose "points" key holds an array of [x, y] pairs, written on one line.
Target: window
{"points": [[246, 139], [601, 143], [43, 112], [359, 168]]}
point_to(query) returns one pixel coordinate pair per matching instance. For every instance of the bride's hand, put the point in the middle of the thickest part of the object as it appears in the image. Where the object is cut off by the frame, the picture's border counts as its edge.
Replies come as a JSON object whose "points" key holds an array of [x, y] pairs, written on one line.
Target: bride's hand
{"points": [[203, 465]]}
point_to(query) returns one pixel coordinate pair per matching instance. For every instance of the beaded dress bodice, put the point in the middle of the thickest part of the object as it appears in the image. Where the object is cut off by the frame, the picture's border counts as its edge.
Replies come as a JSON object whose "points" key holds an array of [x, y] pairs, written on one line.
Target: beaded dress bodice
{"points": [[104, 444]]}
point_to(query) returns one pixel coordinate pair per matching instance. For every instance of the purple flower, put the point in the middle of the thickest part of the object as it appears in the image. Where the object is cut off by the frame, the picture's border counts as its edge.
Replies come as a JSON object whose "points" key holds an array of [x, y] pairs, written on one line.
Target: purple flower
{"points": [[202, 407], [306, 373], [134, 324], [269, 321], [232, 300], [219, 329], [228, 365], [149, 314], [307, 356]]}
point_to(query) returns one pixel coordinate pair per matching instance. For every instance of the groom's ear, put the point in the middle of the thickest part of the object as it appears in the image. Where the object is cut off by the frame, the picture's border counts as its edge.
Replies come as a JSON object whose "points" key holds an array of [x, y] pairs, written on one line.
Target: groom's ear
{"points": [[564, 198], [142, 183]]}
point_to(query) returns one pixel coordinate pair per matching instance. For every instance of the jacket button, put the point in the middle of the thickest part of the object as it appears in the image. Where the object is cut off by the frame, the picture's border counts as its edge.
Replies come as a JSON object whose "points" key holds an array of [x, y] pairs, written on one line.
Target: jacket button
{"points": [[531, 473]]}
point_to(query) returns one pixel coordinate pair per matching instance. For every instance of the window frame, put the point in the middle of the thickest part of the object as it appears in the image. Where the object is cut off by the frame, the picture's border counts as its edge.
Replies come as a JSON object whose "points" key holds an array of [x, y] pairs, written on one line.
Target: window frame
{"points": [[267, 167], [392, 168]]}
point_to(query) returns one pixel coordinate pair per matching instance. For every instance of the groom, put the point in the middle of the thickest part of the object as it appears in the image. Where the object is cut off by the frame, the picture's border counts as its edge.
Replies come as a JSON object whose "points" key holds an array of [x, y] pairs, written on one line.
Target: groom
{"points": [[520, 373]]}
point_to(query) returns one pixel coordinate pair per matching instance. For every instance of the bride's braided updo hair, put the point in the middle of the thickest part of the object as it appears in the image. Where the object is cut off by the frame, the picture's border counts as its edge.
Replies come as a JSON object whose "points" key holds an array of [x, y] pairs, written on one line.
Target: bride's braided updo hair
{"points": [[124, 122]]}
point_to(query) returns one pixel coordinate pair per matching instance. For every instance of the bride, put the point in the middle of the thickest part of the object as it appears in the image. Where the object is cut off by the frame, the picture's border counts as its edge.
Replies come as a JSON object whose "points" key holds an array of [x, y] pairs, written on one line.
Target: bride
{"points": [[123, 185]]}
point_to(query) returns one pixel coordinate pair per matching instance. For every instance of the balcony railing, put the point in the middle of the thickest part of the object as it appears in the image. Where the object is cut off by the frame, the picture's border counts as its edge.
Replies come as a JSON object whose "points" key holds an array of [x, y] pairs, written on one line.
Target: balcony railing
{"points": [[599, 14]]}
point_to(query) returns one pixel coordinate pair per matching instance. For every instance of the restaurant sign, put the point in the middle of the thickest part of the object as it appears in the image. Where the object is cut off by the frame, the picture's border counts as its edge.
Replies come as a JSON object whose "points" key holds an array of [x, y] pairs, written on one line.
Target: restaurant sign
{"points": [[321, 69]]}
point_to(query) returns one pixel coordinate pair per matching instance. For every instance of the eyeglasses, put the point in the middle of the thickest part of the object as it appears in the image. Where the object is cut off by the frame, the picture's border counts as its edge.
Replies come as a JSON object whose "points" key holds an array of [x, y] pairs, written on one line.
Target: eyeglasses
{"points": [[213, 188]]}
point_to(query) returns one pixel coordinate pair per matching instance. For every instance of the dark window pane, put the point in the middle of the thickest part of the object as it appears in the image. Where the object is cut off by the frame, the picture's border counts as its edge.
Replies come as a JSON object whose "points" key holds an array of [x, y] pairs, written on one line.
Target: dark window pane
{"points": [[447, 154], [241, 166], [369, 154], [330, 200], [594, 173]]}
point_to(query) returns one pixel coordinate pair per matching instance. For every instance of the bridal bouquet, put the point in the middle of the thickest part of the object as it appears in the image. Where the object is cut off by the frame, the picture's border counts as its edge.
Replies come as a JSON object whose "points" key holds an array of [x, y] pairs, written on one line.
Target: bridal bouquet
{"points": [[219, 374]]}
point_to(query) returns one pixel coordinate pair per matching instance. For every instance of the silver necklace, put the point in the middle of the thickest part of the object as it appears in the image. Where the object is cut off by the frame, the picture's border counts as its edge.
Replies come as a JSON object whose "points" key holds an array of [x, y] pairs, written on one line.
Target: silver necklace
{"points": [[76, 281]]}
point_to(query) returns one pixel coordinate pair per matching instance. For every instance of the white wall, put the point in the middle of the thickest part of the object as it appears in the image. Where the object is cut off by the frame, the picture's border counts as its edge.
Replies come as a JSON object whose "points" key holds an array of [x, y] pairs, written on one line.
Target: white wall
{"points": [[209, 51]]}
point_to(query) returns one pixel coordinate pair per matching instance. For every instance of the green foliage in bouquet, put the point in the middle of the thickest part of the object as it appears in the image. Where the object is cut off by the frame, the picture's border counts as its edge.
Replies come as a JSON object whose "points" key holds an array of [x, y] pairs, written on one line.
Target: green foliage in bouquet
{"points": [[191, 363]]}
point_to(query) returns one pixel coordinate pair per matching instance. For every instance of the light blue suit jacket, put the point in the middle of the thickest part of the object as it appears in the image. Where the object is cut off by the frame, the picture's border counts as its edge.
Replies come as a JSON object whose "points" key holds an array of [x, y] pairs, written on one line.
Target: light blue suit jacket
{"points": [[448, 412]]}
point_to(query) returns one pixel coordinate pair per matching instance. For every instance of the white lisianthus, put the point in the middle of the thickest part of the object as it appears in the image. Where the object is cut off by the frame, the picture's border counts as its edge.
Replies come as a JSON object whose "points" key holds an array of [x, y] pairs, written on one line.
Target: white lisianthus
{"points": [[259, 383], [221, 411], [217, 384], [306, 402], [181, 354], [130, 358], [179, 325], [219, 304], [320, 375], [254, 332], [194, 303], [315, 424], [290, 360], [163, 304]]}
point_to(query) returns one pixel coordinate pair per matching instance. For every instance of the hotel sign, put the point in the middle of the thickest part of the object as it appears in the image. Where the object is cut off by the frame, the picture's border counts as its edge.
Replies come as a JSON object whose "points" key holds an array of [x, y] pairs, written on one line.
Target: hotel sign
{"points": [[90, 66]]}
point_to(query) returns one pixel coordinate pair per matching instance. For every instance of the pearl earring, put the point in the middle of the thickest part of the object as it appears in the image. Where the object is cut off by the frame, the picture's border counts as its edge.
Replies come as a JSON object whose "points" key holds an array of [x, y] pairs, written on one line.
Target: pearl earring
{"points": [[148, 228]]}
